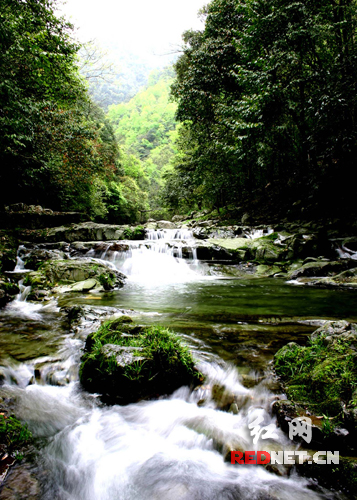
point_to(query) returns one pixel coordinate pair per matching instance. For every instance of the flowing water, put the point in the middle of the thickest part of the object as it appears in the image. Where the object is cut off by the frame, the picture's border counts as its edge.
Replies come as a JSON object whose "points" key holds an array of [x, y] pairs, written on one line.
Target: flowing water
{"points": [[174, 447]]}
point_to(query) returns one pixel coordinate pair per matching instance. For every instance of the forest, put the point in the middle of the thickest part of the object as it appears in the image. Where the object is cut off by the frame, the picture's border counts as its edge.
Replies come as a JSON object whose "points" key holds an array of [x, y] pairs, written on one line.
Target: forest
{"points": [[260, 106]]}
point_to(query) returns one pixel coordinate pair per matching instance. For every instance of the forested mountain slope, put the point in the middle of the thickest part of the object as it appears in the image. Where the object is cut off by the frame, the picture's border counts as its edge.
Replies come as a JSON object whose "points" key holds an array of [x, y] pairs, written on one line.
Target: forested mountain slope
{"points": [[145, 128]]}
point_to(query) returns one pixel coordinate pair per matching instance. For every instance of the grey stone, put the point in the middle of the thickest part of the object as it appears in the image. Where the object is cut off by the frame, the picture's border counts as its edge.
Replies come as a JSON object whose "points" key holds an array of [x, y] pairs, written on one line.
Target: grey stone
{"points": [[124, 356], [84, 286]]}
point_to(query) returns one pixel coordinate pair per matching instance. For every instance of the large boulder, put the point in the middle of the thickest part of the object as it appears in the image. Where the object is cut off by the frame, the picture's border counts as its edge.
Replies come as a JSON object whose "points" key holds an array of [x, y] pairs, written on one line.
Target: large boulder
{"points": [[125, 362], [73, 275], [36, 256], [165, 224], [262, 250], [318, 268]]}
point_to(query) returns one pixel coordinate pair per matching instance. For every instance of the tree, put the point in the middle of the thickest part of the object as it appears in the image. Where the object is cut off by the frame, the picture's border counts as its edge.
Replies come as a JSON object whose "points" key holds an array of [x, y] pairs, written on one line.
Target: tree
{"points": [[267, 93], [54, 142]]}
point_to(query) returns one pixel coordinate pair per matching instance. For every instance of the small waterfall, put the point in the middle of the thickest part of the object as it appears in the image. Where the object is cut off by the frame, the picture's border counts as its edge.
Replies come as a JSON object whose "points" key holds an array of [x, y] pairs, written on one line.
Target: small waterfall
{"points": [[24, 292], [28, 310], [252, 234], [165, 255], [160, 258], [346, 253], [22, 253], [20, 265]]}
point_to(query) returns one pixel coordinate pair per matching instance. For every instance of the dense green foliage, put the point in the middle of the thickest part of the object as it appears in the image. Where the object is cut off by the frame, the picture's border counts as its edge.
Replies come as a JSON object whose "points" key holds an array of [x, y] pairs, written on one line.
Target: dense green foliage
{"points": [[152, 361], [322, 375], [145, 128], [56, 147], [54, 144], [267, 95]]}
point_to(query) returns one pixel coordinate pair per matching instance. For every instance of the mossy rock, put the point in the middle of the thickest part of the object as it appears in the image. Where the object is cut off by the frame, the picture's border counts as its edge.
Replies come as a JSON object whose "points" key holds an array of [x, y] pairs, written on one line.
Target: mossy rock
{"points": [[8, 250], [72, 271], [262, 250], [125, 362], [318, 268], [322, 376], [8, 290], [267, 271], [13, 434]]}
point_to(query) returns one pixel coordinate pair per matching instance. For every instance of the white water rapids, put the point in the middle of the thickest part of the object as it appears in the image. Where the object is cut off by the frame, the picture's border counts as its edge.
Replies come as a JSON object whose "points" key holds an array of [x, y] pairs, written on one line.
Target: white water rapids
{"points": [[169, 449]]}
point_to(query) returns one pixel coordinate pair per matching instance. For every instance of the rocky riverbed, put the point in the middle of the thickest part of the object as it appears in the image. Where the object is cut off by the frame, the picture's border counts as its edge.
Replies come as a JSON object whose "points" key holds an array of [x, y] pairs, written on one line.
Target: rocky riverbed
{"points": [[86, 261]]}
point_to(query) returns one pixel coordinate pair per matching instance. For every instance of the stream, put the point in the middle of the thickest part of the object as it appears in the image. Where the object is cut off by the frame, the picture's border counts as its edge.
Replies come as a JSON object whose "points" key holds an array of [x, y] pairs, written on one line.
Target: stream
{"points": [[171, 448]]}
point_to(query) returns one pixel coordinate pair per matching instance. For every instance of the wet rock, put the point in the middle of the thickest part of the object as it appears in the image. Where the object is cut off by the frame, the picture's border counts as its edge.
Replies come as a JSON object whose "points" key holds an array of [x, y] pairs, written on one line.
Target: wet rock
{"points": [[262, 250], [97, 248], [223, 398], [332, 329], [17, 207], [177, 218], [86, 231], [85, 286], [124, 356], [267, 271], [251, 380], [73, 314], [350, 244], [8, 290], [200, 233], [278, 469], [6, 462], [209, 251], [8, 251], [21, 484], [36, 256], [342, 476], [68, 272], [345, 279], [234, 409], [165, 224], [318, 268], [35, 218]]}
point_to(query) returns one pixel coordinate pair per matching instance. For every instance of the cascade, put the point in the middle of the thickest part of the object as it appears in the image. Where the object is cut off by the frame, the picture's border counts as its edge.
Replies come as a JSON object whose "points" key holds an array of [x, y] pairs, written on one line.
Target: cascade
{"points": [[158, 258]]}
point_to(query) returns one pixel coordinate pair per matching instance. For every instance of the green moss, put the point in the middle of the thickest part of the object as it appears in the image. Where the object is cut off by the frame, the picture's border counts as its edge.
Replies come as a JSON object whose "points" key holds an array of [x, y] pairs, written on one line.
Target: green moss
{"points": [[13, 433], [163, 362], [136, 233], [9, 288], [322, 375], [270, 237], [128, 233], [107, 280], [8, 250]]}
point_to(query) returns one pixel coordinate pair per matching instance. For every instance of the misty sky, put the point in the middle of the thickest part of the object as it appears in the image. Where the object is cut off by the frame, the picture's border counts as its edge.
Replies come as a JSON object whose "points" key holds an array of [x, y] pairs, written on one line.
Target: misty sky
{"points": [[146, 26]]}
